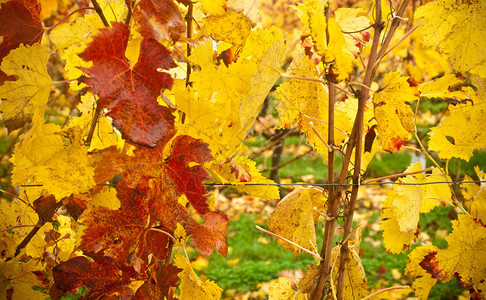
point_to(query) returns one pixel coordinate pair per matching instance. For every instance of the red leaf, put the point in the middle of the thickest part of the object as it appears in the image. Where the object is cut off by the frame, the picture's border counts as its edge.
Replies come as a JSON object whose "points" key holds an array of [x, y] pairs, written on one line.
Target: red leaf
{"points": [[189, 180], [130, 94], [19, 23], [45, 207], [116, 232], [79, 271], [159, 19], [106, 163], [159, 285], [431, 265], [156, 243], [213, 232]]}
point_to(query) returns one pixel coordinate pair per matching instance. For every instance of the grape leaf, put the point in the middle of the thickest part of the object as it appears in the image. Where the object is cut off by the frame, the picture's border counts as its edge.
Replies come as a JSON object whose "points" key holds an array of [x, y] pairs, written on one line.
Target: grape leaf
{"points": [[414, 269], [45, 155], [355, 285], [464, 129], [306, 102], [192, 287], [24, 99], [466, 252], [281, 289], [18, 278], [396, 241], [130, 94], [294, 218], [213, 232], [231, 27], [475, 196], [98, 276], [457, 27], [392, 111], [116, 232], [159, 19], [21, 24]]}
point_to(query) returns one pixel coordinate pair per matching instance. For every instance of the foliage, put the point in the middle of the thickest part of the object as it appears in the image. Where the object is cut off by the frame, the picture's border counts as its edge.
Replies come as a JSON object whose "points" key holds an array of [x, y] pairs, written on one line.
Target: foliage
{"points": [[113, 134]]}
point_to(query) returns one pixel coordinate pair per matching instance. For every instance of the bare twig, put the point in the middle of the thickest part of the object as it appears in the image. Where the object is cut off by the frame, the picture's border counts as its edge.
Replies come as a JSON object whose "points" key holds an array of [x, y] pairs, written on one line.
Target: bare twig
{"points": [[288, 241], [396, 175], [99, 11], [370, 296], [287, 162]]}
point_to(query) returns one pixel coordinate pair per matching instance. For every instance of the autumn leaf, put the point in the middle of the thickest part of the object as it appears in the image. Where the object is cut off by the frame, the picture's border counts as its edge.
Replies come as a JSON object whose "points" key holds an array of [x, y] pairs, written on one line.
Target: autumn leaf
{"points": [[231, 27], [21, 24], [192, 287], [466, 252], [100, 275], [241, 169], [475, 196], [294, 218], [392, 111], [213, 232], [130, 93], [18, 278], [159, 19], [45, 155], [458, 29], [281, 289], [423, 281], [464, 129], [305, 102], [24, 99]]}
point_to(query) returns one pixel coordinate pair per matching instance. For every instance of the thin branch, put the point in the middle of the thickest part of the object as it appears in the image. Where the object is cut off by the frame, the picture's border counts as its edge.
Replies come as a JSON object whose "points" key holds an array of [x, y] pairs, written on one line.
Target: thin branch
{"points": [[94, 122], [348, 93], [386, 290], [362, 85], [17, 226], [329, 148], [66, 17], [189, 19], [287, 162], [315, 119], [288, 241], [397, 175], [99, 11], [401, 40]]}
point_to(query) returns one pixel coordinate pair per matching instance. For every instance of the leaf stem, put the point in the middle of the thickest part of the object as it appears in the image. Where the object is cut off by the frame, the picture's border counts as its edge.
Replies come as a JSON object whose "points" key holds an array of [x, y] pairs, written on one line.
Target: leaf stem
{"points": [[290, 242]]}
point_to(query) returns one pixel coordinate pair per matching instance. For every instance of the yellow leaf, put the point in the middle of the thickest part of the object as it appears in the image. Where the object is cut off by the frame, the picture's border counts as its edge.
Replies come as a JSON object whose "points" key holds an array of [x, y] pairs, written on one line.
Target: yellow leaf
{"points": [[68, 34], [427, 63], [248, 8], [213, 7], [19, 275], [311, 13], [106, 197], [225, 174], [441, 88], [24, 99], [56, 159], [13, 213], [433, 193], [37, 245], [466, 252], [281, 289], [191, 286], [393, 115], [475, 196], [231, 27], [457, 27], [353, 20], [199, 263], [464, 129], [180, 236], [355, 286], [423, 281], [294, 218], [306, 102], [228, 99], [396, 241]]}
